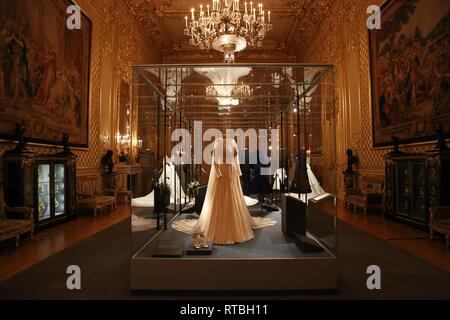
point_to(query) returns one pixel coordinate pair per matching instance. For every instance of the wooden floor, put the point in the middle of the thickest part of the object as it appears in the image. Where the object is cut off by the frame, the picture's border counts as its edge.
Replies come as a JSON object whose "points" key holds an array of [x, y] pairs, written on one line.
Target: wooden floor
{"points": [[61, 237], [408, 238], [54, 240]]}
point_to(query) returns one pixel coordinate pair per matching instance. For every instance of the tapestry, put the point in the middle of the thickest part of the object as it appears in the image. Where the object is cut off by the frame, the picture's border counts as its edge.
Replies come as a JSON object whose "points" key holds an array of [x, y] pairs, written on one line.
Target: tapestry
{"points": [[410, 71], [44, 72]]}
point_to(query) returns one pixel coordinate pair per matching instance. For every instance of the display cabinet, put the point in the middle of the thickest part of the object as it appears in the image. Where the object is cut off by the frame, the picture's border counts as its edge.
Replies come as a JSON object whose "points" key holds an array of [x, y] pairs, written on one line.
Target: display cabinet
{"points": [[414, 183], [288, 110], [46, 183]]}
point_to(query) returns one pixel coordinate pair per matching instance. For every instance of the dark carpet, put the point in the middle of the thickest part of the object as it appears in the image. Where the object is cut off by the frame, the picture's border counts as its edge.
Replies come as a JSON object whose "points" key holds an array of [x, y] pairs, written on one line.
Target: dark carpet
{"points": [[104, 261]]}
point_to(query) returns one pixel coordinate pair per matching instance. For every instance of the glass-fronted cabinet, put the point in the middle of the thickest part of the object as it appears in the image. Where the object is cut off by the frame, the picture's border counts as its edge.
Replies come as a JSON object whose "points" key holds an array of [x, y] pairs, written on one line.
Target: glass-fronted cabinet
{"points": [[59, 183], [46, 183], [51, 177], [44, 192]]}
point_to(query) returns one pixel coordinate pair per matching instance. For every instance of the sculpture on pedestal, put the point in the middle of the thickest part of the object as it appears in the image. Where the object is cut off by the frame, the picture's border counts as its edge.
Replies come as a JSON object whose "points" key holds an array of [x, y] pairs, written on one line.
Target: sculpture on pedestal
{"points": [[19, 136], [108, 161], [66, 145], [396, 144], [350, 174], [351, 160]]}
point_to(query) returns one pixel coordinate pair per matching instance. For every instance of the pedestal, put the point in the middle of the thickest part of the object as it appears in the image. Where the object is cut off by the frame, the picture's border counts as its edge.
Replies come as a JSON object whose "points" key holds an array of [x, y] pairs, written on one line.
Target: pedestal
{"points": [[350, 182], [109, 181], [124, 197]]}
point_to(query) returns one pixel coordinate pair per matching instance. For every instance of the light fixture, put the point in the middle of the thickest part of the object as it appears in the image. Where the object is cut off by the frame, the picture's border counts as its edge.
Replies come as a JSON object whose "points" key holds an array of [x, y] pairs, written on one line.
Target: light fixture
{"points": [[140, 143], [211, 91], [226, 28], [223, 114], [276, 79], [242, 90], [123, 140], [238, 91], [104, 138], [226, 88], [224, 108]]}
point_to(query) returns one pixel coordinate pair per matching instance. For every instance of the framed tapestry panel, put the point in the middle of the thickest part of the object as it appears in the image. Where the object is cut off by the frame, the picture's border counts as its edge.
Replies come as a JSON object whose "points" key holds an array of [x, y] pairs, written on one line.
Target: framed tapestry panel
{"points": [[44, 72], [410, 71]]}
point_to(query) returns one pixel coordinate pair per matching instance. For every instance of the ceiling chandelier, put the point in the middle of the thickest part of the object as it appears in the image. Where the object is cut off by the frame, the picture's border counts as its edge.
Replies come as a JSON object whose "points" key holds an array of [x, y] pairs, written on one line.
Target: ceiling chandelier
{"points": [[226, 29], [242, 90], [238, 91]]}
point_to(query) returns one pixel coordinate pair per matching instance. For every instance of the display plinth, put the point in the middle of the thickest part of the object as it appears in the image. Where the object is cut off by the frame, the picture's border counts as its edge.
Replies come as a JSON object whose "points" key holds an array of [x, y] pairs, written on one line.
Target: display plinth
{"points": [[306, 244], [233, 274], [236, 267], [190, 251], [169, 249]]}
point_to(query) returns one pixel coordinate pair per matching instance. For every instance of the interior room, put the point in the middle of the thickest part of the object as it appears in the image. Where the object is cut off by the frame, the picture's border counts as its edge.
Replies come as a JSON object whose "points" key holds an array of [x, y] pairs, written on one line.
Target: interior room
{"points": [[158, 149]]}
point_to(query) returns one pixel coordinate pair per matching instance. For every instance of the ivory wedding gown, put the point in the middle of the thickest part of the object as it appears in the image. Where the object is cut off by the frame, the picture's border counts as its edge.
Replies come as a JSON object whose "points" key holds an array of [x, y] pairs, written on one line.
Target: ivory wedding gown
{"points": [[225, 218]]}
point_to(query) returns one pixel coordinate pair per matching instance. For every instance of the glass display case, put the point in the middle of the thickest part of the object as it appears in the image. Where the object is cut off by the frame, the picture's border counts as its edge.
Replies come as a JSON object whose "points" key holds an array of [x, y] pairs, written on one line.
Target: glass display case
{"points": [[281, 119], [59, 183], [44, 192], [46, 183], [51, 178]]}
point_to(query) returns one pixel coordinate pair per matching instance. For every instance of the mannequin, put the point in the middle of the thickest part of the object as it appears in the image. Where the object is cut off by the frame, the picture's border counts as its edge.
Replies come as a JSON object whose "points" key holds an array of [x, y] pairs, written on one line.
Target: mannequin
{"points": [[225, 218]]}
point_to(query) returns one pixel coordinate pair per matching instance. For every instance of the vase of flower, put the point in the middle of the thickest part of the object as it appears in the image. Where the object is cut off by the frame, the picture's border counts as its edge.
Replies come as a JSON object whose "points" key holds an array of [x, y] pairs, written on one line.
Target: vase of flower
{"points": [[192, 189]]}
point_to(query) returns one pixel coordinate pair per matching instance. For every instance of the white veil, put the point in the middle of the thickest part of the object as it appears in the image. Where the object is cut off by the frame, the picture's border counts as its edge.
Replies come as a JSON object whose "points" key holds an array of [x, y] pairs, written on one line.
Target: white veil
{"points": [[172, 180]]}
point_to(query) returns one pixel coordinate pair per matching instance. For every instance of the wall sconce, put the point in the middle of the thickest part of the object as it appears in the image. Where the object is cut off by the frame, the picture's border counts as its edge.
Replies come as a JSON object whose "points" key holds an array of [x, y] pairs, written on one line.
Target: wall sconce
{"points": [[104, 139], [140, 143], [123, 142], [276, 79], [123, 146]]}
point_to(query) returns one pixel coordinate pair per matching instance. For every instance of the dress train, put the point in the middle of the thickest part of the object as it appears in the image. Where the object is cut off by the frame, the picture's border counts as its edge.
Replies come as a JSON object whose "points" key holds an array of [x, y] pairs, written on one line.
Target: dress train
{"points": [[225, 218]]}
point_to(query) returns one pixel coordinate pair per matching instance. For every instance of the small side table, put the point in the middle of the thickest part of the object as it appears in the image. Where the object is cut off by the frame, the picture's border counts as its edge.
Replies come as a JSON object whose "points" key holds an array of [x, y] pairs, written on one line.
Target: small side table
{"points": [[124, 196]]}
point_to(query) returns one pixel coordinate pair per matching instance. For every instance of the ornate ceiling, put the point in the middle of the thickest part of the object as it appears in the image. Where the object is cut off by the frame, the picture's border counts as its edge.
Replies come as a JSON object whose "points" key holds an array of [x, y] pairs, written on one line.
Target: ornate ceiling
{"points": [[295, 23]]}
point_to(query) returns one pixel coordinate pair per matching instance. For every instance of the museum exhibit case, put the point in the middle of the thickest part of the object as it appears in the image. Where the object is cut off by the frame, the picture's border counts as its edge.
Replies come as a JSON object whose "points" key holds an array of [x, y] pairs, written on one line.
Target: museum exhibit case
{"points": [[242, 191], [45, 182]]}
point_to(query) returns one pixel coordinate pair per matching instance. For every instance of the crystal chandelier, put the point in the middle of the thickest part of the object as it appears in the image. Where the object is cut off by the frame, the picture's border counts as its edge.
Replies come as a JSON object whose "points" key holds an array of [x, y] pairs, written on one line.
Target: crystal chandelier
{"points": [[211, 91], [242, 90], [226, 29], [238, 91]]}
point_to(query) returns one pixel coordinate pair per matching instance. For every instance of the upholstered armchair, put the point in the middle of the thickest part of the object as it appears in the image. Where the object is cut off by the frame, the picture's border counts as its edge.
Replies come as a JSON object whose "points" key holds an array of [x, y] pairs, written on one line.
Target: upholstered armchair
{"points": [[440, 222], [18, 220]]}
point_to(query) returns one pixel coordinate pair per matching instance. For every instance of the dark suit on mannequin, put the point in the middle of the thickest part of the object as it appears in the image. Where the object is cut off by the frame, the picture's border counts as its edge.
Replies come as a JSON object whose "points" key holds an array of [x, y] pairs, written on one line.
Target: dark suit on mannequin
{"points": [[301, 181], [246, 179], [261, 182]]}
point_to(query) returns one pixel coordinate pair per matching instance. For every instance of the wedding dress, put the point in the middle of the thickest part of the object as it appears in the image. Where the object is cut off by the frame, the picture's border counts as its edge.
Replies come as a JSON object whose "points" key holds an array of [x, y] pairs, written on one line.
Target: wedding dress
{"points": [[172, 180], [316, 188], [225, 218], [280, 178]]}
